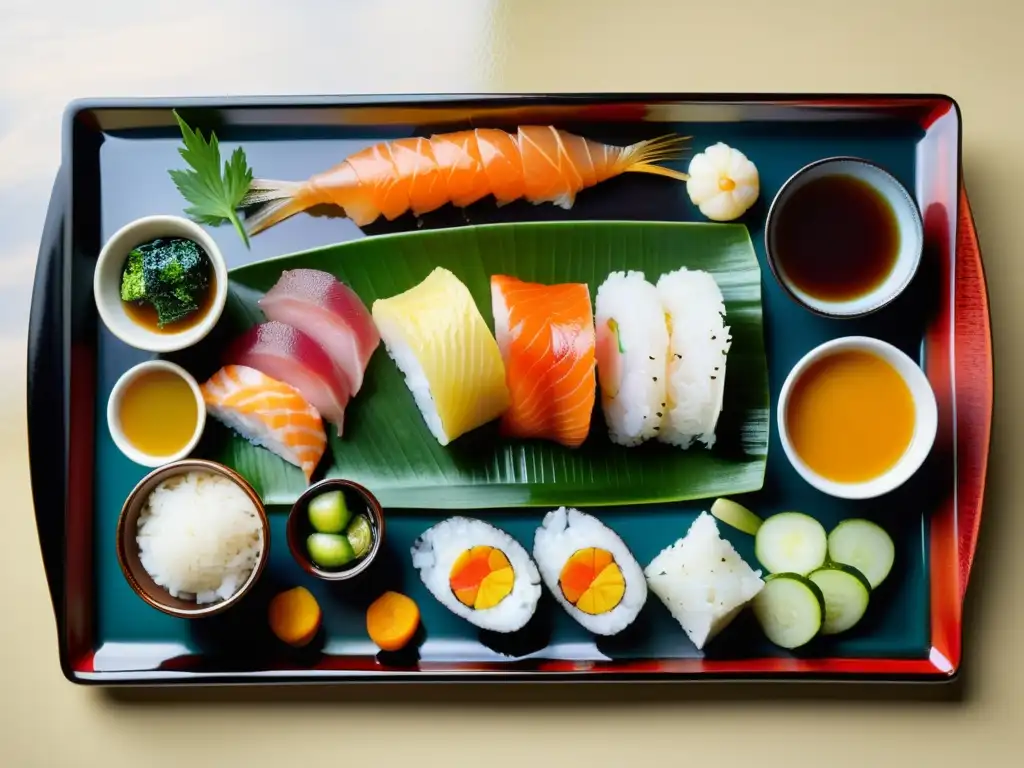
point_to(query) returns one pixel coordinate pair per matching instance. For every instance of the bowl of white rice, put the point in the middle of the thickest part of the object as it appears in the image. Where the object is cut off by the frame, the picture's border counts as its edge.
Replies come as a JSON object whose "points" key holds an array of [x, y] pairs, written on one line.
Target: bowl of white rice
{"points": [[193, 538]]}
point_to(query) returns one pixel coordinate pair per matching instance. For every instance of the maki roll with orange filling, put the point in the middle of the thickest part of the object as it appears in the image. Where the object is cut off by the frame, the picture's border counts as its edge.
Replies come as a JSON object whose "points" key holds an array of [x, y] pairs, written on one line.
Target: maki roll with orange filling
{"points": [[589, 570], [478, 572]]}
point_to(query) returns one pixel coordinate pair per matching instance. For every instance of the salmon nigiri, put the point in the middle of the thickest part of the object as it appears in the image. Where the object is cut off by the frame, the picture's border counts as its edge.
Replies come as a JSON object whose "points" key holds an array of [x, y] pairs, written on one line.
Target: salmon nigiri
{"points": [[546, 337], [541, 164], [268, 413]]}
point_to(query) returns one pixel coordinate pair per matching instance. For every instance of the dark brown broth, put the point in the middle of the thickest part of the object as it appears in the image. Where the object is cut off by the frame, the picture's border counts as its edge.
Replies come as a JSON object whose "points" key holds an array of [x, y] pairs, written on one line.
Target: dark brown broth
{"points": [[143, 313], [836, 238]]}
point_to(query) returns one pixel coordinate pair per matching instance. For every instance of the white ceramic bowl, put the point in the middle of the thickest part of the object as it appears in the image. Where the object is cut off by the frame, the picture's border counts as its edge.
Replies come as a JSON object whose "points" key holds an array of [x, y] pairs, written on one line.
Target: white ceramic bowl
{"points": [[909, 227], [926, 419], [107, 283], [114, 420]]}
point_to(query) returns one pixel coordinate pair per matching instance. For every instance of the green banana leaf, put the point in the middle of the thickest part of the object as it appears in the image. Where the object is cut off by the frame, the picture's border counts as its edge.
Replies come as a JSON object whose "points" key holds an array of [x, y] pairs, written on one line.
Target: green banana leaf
{"points": [[387, 446]]}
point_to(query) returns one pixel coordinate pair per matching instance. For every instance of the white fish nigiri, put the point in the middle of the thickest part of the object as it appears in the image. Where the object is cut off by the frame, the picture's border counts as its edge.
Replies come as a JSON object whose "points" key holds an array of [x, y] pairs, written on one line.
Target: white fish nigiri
{"points": [[268, 413], [698, 350], [449, 357], [632, 343]]}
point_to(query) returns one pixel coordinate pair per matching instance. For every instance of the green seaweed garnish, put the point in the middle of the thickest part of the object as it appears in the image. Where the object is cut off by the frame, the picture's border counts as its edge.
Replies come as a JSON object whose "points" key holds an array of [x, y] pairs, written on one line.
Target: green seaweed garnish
{"points": [[133, 286], [170, 274]]}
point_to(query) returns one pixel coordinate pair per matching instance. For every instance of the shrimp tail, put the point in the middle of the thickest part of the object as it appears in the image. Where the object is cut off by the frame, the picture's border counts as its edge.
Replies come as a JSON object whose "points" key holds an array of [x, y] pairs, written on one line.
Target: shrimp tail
{"points": [[280, 199], [642, 156]]}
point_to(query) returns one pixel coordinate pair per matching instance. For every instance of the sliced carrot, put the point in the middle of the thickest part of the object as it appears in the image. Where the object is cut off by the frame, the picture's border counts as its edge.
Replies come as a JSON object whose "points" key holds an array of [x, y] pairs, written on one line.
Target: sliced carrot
{"points": [[295, 616], [392, 620]]}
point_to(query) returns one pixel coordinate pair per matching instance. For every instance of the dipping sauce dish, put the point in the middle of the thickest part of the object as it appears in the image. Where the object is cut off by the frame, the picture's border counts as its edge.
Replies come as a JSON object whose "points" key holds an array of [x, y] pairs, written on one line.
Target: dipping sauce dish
{"points": [[155, 413], [843, 237], [857, 417]]}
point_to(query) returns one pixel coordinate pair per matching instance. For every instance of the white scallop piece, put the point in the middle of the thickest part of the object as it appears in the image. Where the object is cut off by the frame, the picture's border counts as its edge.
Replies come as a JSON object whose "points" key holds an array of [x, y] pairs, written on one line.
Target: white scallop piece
{"points": [[565, 531], [436, 550]]}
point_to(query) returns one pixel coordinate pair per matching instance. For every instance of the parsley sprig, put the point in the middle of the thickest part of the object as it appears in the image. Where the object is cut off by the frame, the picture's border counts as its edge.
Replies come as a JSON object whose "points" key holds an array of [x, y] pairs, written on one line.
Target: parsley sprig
{"points": [[214, 197]]}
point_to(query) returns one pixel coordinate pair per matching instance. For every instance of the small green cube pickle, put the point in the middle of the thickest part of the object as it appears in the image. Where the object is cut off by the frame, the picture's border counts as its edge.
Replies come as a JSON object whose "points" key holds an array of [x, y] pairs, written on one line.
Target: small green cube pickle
{"points": [[328, 512], [329, 550]]}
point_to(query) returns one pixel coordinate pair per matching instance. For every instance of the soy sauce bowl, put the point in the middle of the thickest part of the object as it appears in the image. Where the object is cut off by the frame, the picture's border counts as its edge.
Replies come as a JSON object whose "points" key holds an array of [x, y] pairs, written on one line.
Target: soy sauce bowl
{"points": [[298, 528], [905, 219]]}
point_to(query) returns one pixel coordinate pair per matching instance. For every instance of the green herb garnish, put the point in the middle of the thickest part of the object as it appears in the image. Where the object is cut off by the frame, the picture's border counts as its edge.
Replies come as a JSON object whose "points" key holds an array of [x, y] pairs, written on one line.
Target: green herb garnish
{"points": [[214, 197], [169, 274]]}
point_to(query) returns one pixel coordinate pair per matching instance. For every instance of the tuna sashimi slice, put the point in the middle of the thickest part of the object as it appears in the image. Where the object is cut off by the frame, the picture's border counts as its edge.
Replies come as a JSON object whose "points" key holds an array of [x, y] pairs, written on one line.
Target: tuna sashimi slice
{"points": [[287, 354], [330, 313]]}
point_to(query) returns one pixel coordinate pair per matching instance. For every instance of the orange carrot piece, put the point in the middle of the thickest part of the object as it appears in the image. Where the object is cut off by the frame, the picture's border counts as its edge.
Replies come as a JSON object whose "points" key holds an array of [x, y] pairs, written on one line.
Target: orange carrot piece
{"points": [[295, 616], [392, 620]]}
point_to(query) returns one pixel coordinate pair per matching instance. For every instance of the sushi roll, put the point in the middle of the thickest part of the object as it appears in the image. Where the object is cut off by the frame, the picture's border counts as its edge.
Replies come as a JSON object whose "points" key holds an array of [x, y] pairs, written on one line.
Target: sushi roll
{"points": [[546, 337], [589, 570], [478, 572], [632, 345], [267, 413], [442, 345], [703, 581], [699, 343]]}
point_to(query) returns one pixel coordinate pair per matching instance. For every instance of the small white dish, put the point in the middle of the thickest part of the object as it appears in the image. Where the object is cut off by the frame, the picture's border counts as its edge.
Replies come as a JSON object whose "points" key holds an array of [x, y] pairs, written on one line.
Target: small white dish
{"points": [[107, 283], [114, 418], [926, 419], [909, 227]]}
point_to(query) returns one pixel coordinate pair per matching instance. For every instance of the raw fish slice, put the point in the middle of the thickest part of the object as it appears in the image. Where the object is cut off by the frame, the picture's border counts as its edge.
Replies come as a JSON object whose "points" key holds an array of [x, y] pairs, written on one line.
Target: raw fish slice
{"points": [[287, 354], [442, 345], [330, 313], [546, 337], [268, 413]]}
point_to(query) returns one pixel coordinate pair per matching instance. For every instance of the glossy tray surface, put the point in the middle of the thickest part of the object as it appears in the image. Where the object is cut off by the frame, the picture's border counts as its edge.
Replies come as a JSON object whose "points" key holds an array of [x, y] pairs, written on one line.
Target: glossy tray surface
{"points": [[115, 170]]}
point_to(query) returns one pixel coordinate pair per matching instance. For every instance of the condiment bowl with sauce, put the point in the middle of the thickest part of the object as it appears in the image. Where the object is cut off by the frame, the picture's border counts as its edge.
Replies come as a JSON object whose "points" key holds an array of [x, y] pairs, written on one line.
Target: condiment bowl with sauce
{"points": [[844, 237], [177, 324], [857, 417], [335, 529], [155, 413]]}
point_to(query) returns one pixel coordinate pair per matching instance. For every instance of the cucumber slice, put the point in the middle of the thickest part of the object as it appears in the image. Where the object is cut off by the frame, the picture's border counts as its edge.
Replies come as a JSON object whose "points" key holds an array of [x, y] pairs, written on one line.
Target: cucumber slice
{"points": [[865, 546], [360, 535], [736, 515], [847, 593], [791, 542], [790, 609]]}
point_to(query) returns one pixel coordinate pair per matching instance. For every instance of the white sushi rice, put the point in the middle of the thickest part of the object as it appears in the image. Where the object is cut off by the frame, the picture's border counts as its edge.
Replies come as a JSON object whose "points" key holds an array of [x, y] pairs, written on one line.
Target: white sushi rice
{"points": [[436, 550], [698, 348], [703, 581], [566, 531], [398, 349], [631, 404], [199, 535]]}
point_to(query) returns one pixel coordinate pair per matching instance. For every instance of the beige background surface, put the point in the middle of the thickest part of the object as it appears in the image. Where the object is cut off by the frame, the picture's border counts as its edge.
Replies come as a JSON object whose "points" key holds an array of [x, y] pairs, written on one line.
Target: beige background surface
{"points": [[972, 50]]}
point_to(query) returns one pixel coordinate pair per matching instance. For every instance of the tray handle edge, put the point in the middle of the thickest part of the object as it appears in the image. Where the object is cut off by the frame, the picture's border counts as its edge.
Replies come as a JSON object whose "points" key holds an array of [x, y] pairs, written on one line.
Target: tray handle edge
{"points": [[973, 335], [46, 372]]}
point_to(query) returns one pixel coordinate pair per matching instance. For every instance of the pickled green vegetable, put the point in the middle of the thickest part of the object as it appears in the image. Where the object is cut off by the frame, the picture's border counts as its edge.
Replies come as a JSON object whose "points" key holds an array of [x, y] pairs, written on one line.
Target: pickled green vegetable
{"points": [[328, 512], [360, 535], [329, 550]]}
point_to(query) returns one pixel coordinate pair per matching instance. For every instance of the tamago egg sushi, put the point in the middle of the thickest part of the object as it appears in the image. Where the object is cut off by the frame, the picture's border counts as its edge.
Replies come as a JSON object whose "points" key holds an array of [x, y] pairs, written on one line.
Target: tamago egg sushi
{"points": [[589, 570], [632, 344], [478, 572]]}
